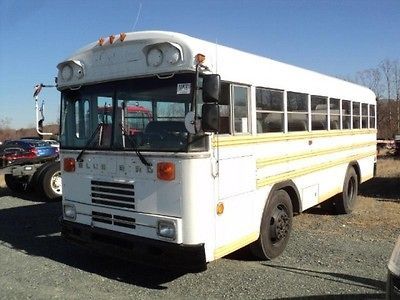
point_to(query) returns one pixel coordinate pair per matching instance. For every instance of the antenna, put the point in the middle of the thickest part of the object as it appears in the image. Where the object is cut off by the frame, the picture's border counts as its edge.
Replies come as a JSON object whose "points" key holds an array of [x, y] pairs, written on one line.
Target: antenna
{"points": [[216, 55], [137, 17]]}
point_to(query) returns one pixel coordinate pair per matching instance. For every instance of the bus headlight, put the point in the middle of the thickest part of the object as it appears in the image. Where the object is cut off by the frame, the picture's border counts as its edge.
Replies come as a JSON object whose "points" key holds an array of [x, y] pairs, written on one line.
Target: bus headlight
{"points": [[166, 229], [69, 211], [155, 57], [66, 72]]}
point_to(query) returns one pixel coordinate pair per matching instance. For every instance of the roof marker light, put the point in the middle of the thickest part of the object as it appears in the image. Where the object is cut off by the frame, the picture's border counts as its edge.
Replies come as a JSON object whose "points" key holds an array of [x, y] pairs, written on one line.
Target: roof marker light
{"points": [[101, 41], [111, 39], [200, 58], [122, 36]]}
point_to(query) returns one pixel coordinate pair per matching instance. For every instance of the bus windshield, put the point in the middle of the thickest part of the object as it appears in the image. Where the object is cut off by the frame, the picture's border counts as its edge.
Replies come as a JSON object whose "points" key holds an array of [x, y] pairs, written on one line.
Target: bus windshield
{"points": [[144, 114]]}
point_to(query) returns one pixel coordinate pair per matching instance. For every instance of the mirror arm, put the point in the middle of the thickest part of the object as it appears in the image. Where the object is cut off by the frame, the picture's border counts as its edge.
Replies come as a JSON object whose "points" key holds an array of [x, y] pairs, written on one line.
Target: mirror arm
{"points": [[194, 99]]}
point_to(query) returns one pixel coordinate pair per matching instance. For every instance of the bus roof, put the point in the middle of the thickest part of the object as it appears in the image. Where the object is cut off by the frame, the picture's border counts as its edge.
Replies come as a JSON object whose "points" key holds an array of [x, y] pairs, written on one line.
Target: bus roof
{"points": [[146, 53]]}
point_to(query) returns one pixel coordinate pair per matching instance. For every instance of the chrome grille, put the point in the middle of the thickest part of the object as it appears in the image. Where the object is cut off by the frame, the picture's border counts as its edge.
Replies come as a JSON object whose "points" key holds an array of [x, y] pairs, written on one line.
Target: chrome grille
{"points": [[121, 195], [113, 219]]}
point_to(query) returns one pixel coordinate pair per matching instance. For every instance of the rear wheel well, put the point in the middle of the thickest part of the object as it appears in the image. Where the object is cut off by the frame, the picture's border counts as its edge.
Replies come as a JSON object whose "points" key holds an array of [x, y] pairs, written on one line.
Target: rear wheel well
{"points": [[356, 168]]}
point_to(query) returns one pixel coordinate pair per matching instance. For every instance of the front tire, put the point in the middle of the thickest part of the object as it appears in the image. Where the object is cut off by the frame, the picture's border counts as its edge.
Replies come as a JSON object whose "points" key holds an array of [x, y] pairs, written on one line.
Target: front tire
{"points": [[50, 183], [276, 225], [346, 201]]}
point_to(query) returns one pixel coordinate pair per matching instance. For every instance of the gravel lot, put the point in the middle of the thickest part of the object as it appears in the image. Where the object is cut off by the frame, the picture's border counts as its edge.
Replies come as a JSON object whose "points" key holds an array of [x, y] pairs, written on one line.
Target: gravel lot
{"points": [[327, 257]]}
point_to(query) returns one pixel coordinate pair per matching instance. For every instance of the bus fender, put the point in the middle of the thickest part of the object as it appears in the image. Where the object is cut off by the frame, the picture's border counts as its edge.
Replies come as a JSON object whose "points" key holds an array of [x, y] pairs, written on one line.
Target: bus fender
{"points": [[354, 164], [293, 192]]}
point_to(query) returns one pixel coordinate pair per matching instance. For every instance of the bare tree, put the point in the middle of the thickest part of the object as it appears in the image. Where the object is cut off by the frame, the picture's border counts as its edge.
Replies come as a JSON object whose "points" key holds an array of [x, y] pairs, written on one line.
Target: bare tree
{"points": [[387, 68], [5, 123], [372, 79]]}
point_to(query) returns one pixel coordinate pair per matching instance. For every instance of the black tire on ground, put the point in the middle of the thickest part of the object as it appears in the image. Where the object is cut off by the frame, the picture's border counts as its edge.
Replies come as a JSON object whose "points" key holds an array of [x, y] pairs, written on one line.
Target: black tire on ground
{"points": [[49, 182], [345, 201], [17, 184], [36, 176], [276, 225]]}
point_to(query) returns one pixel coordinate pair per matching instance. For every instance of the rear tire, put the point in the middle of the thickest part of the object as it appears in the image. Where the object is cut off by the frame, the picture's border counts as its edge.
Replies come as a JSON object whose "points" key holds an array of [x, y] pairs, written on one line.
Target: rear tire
{"points": [[17, 184], [276, 225], [49, 182], [345, 201], [38, 174]]}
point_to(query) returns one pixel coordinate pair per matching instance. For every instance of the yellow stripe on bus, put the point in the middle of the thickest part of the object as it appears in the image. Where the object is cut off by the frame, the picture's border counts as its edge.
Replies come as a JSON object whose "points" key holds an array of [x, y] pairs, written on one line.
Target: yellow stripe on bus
{"points": [[262, 162], [229, 248], [307, 170], [225, 141]]}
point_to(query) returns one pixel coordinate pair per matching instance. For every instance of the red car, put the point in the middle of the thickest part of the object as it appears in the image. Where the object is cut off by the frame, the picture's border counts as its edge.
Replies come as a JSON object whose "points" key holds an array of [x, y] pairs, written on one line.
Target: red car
{"points": [[19, 152]]}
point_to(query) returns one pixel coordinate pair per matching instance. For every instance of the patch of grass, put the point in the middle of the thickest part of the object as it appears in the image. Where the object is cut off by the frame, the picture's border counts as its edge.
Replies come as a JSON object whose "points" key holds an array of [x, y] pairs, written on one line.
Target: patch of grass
{"points": [[388, 167]]}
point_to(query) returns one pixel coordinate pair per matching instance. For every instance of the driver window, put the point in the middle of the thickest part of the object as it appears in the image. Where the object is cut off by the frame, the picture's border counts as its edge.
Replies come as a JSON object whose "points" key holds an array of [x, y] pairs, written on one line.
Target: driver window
{"points": [[241, 119]]}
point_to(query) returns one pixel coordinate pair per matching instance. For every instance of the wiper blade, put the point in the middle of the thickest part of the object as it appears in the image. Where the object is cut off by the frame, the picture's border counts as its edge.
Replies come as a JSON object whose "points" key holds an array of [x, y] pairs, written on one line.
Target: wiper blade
{"points": [[135, 148], [90, 140]]}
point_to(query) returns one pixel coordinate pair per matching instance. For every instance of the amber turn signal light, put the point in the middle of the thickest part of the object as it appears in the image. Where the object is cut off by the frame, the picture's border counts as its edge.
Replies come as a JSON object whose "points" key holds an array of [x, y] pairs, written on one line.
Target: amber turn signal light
{"points": [[166, 171], [220, 208], [69, 164], [200, 58]]}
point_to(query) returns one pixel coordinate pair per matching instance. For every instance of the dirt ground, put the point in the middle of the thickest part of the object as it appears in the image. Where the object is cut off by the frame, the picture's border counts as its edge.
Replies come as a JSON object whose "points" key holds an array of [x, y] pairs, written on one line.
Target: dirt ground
{"points": [[328, 256]]}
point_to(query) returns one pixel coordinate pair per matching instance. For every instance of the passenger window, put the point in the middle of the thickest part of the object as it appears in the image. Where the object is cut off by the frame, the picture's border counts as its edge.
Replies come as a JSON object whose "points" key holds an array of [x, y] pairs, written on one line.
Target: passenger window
{"points": [[269, 109], [371, 116], [334, 108], [240, 95], [319, 113], [364, 115], [356, 115], [346, 114], [297, 109]]}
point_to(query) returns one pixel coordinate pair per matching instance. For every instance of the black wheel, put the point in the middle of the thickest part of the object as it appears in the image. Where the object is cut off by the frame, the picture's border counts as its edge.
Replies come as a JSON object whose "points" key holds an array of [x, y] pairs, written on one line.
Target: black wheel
{"points": [[17, 184], [346, 200], [49, 183], [37, 175], [276, 224]]}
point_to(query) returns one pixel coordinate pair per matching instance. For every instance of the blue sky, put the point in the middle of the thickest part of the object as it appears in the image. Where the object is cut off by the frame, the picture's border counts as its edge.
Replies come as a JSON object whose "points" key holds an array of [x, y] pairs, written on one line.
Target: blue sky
{"points": [[334, 37]]}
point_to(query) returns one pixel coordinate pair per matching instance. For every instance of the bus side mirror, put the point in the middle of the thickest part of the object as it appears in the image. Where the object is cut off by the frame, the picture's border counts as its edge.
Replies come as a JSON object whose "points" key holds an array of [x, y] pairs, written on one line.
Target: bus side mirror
{"points": [[211, 88], [210, 117]]}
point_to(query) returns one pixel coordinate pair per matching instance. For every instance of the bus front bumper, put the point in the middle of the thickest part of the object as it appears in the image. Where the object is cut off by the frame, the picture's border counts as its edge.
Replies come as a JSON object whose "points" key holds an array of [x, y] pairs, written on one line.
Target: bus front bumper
{"points": [[138, 249]]}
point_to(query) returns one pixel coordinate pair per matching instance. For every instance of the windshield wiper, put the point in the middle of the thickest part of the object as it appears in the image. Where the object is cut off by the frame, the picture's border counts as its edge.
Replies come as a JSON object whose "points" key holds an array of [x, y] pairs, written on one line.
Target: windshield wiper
{"points": [[90, 140], [135, 148]]}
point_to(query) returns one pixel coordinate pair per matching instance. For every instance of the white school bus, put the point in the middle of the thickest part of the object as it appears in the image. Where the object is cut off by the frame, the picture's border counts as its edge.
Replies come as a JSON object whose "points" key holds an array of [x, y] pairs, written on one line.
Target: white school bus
{"points": [[223, 148]]}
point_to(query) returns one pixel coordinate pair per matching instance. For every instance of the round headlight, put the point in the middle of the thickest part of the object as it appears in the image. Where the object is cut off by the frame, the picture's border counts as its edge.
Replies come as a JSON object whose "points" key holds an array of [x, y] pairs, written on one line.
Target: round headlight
{"points": [[154, 57], [174, 56], [66, 72]]}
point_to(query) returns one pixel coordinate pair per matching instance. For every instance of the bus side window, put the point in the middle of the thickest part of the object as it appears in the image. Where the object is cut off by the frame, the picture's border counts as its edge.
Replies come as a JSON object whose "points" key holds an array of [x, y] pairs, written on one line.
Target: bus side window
{"points": [[319, 113], [356, 115], [371, 116], [346, 114], [297, 110], [334, 105], [241, 120], [269, 110], [224, 109]]}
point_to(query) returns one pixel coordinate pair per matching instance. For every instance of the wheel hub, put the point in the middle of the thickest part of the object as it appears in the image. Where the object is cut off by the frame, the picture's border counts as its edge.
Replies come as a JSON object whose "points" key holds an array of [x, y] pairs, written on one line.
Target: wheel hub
{"points": [[56, 183], [279, 224]]}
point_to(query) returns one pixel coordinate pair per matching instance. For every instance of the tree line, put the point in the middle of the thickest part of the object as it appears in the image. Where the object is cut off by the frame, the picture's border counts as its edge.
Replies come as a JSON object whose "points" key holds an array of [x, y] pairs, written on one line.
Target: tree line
{"points": [[8, 133], [384, 81]]}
